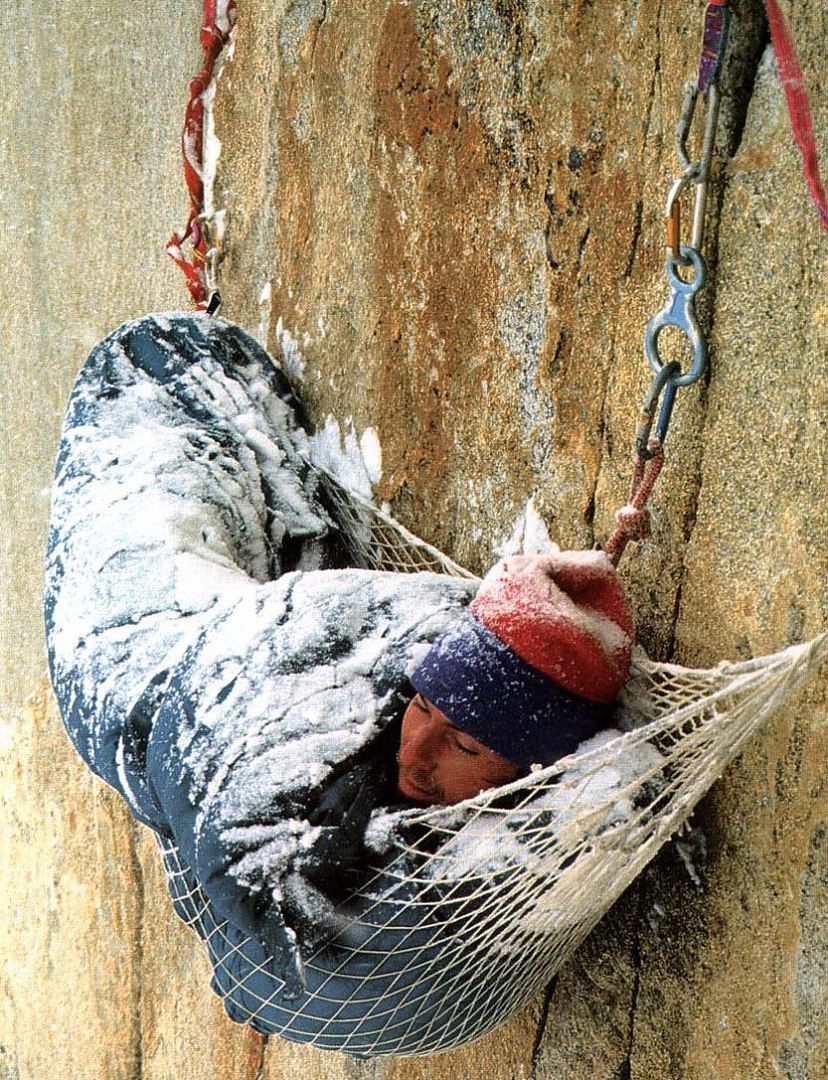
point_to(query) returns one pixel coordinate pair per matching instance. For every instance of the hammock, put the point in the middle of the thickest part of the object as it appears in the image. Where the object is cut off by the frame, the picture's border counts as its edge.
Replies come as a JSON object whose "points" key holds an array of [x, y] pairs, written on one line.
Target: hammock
{"points": [[474, 908]]}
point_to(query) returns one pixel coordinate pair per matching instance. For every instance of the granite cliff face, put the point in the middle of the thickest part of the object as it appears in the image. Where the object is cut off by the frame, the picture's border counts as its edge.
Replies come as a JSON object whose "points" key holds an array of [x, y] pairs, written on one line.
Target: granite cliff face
{"points": [[457, 210]]}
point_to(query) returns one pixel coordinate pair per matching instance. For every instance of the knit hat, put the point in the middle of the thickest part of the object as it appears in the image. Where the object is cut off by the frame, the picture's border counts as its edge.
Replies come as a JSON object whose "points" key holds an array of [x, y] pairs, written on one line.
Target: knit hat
{"points": [[533, 666]]}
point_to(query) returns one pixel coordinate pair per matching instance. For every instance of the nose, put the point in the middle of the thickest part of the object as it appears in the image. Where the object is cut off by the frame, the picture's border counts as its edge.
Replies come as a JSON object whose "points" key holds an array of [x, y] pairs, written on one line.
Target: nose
{"points": [[419, 745]]}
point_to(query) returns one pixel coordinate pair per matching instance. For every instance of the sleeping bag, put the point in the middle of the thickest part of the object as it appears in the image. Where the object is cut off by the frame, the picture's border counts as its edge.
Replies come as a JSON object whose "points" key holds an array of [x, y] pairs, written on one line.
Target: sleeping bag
{"points": [[211, 658]]}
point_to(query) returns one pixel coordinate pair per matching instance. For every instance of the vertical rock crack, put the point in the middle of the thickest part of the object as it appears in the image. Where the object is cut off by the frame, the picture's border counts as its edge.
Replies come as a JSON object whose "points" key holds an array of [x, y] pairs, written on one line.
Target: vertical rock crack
{"points": [[541, 1029]]}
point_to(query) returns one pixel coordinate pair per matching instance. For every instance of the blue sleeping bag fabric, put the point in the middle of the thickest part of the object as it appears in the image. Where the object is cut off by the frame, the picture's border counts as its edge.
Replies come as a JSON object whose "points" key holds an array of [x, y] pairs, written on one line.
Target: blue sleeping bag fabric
{"points": [[218, 663]]}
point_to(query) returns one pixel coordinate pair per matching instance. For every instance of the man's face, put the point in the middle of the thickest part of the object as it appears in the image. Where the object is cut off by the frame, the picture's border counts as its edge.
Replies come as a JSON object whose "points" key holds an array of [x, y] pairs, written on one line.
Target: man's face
{"points": [[441, 764]]}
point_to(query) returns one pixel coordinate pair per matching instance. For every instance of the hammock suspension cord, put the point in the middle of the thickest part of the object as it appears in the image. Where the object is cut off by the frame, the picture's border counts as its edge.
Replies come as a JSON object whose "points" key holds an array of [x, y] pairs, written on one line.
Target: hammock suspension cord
{"points": [[632, 521]]}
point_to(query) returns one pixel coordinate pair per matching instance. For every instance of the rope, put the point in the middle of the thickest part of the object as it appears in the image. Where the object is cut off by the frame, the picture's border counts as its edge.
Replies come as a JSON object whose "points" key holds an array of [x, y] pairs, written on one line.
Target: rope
{"points": [[790, 75], [218, 22], [633, 520]]}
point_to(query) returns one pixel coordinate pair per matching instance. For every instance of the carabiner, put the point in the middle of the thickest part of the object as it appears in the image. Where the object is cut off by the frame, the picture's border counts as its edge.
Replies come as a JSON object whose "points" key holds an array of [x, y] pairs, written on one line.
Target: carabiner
{"points": [[697, 172], [680, 313], [673, 209], [663, 382]]}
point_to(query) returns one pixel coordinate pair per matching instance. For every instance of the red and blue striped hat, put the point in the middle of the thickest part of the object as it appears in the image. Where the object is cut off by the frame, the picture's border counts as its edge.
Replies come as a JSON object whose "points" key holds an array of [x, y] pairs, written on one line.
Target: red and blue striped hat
{"points": [[532, 668]]}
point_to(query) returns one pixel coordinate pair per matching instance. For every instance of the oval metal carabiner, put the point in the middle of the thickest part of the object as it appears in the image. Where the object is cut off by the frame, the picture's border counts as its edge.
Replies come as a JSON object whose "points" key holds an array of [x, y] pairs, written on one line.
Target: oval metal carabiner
{"points": [[680, 313], [692, 172]]}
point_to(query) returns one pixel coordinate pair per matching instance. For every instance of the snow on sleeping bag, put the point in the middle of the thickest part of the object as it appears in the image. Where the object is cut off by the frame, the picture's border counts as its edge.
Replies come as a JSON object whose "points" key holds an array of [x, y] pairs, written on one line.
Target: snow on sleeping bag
{"points": [[209, 661]]}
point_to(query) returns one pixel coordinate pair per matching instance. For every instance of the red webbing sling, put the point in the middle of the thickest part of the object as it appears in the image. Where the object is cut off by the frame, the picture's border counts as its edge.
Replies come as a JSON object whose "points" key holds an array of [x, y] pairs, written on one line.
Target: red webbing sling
{"points": [[790, 75], [218, 22]]}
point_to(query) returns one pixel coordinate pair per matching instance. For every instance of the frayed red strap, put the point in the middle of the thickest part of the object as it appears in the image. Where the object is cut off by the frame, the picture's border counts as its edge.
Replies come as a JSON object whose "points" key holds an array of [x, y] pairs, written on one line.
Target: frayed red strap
{"points": [[219, 19], [790, 75]]}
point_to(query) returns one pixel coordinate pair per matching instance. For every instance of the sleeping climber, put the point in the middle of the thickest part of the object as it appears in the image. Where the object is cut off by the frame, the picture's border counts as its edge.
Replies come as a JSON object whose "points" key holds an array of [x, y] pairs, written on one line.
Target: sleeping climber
{"points": [[219, 660], [524, 676]]}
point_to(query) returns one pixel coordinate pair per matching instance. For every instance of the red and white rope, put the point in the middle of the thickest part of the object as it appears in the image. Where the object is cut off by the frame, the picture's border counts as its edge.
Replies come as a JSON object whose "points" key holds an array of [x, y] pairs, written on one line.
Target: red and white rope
{"points": [[218, 22]]}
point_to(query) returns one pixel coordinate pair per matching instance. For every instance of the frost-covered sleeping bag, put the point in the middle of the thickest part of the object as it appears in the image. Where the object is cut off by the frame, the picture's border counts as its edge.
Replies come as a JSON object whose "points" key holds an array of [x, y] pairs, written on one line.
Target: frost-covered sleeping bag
{"points": [[217, 662], [208, 662]]}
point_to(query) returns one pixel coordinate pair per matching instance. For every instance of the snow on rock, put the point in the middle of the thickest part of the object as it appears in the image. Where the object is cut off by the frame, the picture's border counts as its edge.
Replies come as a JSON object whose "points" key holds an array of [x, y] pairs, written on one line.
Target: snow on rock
{"points": [[371, 450], [355, 462], [211, 145], [292, 360], [224, 21], [265, 305], [529, 535], [536, 539]]}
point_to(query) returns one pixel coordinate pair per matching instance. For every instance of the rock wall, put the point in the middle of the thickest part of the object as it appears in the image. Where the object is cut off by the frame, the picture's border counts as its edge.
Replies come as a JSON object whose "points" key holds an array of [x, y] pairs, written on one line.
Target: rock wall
{"points": [[456, 207]]}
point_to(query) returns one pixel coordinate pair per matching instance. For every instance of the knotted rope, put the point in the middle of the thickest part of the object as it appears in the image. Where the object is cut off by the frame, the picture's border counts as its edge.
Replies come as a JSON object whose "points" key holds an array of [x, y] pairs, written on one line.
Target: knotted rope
{"points": [[632, 522]]}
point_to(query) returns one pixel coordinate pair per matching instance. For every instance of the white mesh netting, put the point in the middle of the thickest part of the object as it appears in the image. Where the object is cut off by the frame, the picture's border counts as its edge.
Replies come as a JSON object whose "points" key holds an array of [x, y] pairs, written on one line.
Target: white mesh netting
{"points": [[472, 909]]}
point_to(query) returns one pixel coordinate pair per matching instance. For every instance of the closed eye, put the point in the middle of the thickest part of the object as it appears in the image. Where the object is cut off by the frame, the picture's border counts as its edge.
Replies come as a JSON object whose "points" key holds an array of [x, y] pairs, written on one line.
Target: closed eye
{"points": [[465, 749]]}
